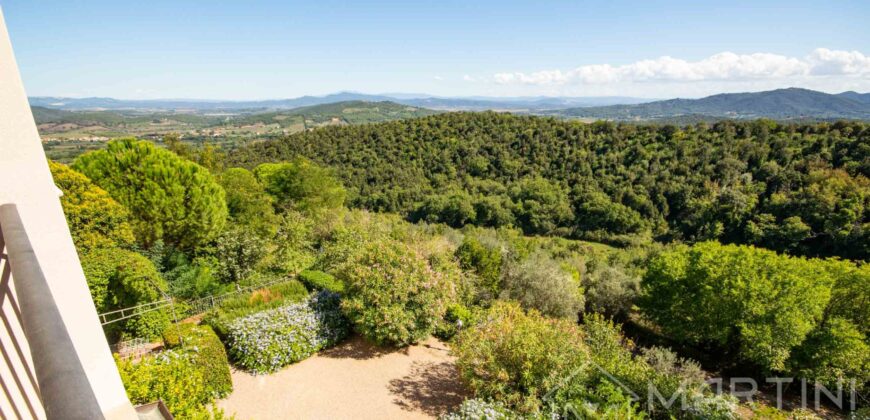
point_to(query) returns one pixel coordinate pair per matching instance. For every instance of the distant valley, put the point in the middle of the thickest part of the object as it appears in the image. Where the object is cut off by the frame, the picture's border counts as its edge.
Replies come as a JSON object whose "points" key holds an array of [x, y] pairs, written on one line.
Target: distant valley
{"points": [[70, 127]]}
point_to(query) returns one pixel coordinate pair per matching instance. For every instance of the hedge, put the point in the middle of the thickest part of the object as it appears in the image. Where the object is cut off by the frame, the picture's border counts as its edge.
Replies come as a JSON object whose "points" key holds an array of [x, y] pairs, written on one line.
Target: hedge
{"points": [[266, 341], [171, 376], [318, 280], [207, 352]]}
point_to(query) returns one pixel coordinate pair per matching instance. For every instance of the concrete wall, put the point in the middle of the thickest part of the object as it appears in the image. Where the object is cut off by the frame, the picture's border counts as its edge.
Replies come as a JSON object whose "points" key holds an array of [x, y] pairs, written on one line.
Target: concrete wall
{"points": [[26, 181]]}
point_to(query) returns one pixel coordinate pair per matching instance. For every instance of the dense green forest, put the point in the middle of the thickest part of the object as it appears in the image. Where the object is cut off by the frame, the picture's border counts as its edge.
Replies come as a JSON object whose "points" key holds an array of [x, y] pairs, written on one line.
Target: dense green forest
{"points": [[519, 312], [799, 188]]}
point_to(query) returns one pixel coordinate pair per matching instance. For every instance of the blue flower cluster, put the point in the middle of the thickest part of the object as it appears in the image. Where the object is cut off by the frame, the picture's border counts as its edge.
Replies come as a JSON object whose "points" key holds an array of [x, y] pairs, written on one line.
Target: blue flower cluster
{"points": [[478, 409], [267, 341]]}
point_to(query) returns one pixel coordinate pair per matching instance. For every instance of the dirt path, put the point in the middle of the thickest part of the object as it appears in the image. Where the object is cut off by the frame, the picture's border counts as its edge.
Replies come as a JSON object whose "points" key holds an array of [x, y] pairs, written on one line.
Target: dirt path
{"points": [[354, 380]]}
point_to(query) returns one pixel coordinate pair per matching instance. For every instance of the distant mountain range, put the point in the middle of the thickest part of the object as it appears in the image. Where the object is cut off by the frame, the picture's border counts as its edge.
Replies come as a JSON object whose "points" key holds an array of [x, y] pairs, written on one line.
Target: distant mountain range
{"points": [[478, 103], [792, 103]]}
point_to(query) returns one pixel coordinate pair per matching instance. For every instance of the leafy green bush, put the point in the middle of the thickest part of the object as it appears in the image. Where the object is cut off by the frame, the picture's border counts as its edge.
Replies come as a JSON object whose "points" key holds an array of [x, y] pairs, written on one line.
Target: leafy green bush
{"points": [[540, 283], [193, 279], [207, 354], [237, 251], [121, 279], [515, 358], [294, 244], [455, 319], [266, 341], [301, 185], [836, 353], [95, 219], [611, 291], [734, 296], [247, 201], [170, 376], [393, 296], [236, 307], [318, 280], [484, 261], [169, 197], [540, 365]]}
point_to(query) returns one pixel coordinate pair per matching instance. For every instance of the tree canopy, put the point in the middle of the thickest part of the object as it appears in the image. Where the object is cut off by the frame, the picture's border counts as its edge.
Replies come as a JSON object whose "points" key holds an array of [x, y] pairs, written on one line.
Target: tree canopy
{"points": [[169, 198], [95, 219], [801, 188]]}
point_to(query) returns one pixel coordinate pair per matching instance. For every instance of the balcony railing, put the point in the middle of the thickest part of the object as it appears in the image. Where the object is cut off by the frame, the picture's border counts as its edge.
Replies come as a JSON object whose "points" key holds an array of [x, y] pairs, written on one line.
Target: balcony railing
{"points": [[62, 383]]}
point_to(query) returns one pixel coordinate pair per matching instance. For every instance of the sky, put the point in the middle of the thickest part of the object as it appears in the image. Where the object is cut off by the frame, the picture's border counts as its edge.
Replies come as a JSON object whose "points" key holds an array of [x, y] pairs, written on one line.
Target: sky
{"points": [[269, 49]]}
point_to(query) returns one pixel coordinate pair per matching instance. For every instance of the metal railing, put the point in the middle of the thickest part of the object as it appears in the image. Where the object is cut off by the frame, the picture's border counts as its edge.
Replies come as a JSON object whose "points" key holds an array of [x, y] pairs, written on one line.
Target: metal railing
{"points": [[126, 313], [63, 384], [192, 307]]}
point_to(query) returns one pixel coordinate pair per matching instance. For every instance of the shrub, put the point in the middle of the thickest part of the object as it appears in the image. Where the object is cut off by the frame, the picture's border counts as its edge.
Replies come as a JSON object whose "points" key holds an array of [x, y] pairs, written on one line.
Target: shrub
{"points": [[247, 201], [121, 279], [754, 300], [237, 251], [610, 291], [318, 280], [477, 409], [484, 261], [193, 279], [393, 296], [95, 219], [268, 340], [207, 354], [236, 307], [515, 357], [455, 319], [836, 353], [294, 246], [713, 407], [540, 283], [170, 376], [169, 197], [301, 185]]}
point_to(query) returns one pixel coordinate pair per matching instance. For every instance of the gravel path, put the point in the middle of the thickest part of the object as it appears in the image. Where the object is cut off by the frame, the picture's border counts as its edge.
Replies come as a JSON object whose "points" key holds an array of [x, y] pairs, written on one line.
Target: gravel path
{"points": [[353, 381]]}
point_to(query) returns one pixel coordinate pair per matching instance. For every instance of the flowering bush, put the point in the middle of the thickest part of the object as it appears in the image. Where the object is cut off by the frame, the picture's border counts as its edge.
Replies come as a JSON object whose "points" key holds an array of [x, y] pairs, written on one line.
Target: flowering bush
{"points": [[266, 341], [477, 409], [394, 297], [271, 297]]}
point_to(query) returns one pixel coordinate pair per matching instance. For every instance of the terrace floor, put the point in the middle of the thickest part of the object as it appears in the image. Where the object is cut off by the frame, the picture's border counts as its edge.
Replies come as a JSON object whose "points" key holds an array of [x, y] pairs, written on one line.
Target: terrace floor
{"points": [[353, 380]]}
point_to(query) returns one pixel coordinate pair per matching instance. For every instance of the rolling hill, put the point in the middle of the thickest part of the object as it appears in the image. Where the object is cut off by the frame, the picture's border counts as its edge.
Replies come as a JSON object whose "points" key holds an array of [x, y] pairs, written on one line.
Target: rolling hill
{"points": [[478, 103], [791, 103], [347, 112]]}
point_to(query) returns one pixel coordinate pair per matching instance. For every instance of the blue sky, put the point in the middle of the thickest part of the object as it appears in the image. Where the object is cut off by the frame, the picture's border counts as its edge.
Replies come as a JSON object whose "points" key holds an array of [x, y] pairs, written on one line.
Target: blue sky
{"points": [[276, 49]]}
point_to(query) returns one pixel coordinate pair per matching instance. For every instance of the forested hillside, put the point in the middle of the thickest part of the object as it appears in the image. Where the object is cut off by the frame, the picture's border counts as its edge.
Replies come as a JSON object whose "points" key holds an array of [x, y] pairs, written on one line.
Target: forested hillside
{"points": [[791, 103], [801, 188]]}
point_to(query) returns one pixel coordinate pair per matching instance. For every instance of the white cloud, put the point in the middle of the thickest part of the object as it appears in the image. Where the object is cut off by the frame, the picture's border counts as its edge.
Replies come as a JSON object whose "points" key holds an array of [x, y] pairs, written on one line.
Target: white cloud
{"points": [[827, 62], [438, 78], [724, 66], [468, 78]]}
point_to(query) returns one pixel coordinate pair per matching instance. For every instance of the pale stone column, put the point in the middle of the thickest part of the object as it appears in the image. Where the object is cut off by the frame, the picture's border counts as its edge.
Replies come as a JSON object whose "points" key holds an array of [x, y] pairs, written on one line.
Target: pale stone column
{"points": [[26, 181]]}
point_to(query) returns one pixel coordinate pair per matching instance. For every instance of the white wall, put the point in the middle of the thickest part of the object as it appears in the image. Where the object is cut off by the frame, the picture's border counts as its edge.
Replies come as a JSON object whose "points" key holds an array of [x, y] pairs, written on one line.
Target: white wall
{"points": [[26, 181]]}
